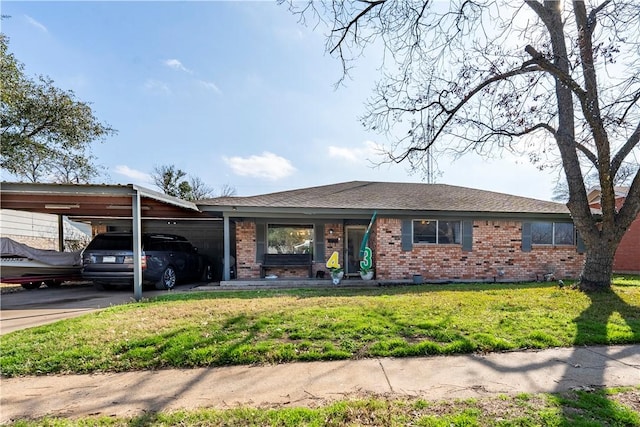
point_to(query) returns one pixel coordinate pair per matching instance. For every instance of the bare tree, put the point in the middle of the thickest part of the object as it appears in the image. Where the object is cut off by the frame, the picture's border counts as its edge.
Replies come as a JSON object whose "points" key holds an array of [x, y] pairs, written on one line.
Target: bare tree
{"points": [[557, 81], [227, 190], [175, 182], [623, 179], [199, 190]]}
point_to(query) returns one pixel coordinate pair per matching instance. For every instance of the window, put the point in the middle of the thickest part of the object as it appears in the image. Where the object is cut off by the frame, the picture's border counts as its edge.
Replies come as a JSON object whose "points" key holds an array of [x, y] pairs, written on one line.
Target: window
{"points": [[437, 232], [289, 239], [563, 233], [552, 233]]}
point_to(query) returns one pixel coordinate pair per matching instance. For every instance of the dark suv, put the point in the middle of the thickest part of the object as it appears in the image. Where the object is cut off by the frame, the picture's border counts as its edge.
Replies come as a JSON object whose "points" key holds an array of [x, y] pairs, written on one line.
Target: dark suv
{"points": [[166, 259]]}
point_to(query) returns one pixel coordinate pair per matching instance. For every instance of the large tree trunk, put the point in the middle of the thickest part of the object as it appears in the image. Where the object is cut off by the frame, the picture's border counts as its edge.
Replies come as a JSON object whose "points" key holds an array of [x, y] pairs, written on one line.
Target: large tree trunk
{"points": [[598, 269]]}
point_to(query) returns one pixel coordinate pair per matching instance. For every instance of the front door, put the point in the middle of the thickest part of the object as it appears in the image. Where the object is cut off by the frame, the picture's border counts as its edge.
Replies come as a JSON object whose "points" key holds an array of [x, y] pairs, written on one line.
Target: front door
{"points": [[353, 241]]}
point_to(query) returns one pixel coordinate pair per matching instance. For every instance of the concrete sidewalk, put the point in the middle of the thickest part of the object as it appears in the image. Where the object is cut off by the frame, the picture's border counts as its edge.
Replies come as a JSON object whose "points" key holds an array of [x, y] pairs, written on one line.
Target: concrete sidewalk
{"points": [[311, 384]]}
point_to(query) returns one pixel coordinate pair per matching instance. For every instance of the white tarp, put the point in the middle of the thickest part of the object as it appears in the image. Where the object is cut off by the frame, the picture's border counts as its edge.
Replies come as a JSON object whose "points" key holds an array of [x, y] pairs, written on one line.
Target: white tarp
{"points": [[10, 247]]}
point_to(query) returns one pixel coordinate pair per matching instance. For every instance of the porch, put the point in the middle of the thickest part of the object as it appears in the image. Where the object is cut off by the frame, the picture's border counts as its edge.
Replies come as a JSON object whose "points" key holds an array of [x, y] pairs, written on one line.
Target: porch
{"points": [[299, 283]]}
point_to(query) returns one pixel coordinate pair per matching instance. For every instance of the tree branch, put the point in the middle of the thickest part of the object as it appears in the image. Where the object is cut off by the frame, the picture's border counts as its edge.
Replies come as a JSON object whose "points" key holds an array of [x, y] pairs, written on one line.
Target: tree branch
{"points": [[564, 78], [588, 153], [354, 22], [451, 113], [624, 151]]}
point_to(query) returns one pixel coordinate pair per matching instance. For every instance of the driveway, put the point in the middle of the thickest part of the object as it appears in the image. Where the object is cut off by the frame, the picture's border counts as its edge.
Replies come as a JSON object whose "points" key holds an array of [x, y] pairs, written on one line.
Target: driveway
{"points": [[23, 309]]}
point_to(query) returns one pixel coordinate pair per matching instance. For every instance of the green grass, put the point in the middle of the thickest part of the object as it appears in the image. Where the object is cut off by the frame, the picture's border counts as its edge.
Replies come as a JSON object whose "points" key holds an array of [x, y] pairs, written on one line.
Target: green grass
{"points": [[597, 408], [257, 327]]}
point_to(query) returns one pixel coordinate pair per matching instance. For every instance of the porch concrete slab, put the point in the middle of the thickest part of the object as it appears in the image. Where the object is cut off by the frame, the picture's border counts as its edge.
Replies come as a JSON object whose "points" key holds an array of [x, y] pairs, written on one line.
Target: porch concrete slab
{"points": [[299, 283]]}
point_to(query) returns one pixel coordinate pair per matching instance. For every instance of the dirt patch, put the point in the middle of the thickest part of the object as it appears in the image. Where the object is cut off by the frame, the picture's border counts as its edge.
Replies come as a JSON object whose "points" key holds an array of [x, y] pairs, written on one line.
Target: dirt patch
{"points": [[630, 399]]}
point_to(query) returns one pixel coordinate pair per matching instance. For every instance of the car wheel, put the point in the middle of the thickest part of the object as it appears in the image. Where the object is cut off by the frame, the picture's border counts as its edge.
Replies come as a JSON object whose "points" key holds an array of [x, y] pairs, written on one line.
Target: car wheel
{"points": [[167, 280], [31, 285], [207, 274], [53, 283]]}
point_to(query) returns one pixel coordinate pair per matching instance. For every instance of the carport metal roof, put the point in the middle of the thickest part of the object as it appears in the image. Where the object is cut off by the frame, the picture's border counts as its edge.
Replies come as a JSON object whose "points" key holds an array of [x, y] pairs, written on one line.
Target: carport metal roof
{"points": [[99, 201], [93, 201]]}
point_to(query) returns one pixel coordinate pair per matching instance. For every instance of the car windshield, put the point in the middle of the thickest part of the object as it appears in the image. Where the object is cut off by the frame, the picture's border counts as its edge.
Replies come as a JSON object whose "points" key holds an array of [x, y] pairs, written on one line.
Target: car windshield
{"points": [[118, 243]]}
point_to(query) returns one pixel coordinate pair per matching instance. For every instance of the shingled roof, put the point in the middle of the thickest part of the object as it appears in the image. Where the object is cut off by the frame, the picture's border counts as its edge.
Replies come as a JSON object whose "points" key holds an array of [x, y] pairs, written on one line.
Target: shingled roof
{"points": [[393, 196]]}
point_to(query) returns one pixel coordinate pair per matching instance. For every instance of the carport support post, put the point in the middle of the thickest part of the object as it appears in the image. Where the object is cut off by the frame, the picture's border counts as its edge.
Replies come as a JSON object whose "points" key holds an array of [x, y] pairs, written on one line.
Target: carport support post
{"points": [[137, 245], [60, 233], [226, 270]]}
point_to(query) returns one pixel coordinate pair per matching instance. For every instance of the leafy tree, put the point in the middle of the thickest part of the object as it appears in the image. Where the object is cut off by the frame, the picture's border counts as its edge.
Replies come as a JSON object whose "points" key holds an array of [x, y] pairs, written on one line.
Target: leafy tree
{"points": [[46, 132], [171, 181], [557, 81], [75, 168]]}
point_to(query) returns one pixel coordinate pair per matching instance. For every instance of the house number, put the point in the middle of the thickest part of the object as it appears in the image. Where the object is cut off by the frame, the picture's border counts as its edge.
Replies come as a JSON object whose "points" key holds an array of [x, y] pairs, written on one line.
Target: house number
{"points": [[334, 261], [366, 262]]}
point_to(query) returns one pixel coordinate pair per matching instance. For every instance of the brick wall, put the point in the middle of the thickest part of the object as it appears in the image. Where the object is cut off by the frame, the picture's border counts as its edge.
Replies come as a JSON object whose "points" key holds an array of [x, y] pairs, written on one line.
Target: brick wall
{"points": [[248, 268], [627, 258], [496, 254], [246, 265]]}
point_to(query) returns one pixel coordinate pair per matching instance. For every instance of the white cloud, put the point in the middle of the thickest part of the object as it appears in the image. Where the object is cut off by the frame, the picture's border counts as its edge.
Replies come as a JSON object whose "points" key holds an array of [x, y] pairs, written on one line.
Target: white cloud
{"points": [[367, 152], [210, 85], [177, 65], [267, 165], [157, 86], [36, 24], [135, 175]]}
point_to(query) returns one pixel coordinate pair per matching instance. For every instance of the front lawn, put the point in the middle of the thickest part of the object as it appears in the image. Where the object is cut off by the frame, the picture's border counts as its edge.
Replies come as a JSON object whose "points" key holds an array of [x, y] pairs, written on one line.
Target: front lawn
{"points": [[247, 327]]}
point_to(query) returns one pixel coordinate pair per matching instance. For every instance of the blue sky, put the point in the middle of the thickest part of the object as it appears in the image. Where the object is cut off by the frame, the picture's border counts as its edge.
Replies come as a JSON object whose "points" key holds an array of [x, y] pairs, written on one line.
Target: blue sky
{"points": [[236, 93]]}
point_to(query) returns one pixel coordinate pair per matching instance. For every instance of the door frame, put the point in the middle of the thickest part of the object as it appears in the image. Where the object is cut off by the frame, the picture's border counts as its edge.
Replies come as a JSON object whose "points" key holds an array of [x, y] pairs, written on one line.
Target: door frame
{"points": [[350, 228]]}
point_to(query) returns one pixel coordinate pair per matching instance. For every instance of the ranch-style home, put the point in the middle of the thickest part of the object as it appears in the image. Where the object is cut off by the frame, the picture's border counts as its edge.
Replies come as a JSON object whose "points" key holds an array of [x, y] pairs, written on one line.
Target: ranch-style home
{"points": [[428, 232], [425, 232]]}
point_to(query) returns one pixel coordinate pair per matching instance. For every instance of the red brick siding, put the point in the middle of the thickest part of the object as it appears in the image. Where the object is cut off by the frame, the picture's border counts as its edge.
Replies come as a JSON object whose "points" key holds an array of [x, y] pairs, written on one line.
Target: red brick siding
{"points": [[338, 233], [248, 268], [246, 265], [627, 258], [496, 248]]}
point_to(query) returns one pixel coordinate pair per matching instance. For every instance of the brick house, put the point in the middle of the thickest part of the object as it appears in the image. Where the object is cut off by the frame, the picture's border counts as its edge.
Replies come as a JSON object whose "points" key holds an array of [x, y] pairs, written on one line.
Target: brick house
{"points": [[434, 232], [627, 257]]}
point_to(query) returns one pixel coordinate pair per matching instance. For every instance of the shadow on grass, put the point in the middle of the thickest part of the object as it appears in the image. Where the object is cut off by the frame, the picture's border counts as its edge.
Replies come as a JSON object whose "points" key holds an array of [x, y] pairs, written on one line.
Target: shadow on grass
{"points": [[600, 323], [603, 322], [607, 320]]}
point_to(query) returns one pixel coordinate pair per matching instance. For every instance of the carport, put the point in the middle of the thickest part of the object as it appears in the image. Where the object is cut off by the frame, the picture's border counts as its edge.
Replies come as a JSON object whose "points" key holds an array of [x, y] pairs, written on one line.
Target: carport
{"points": [[102, 202]]}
